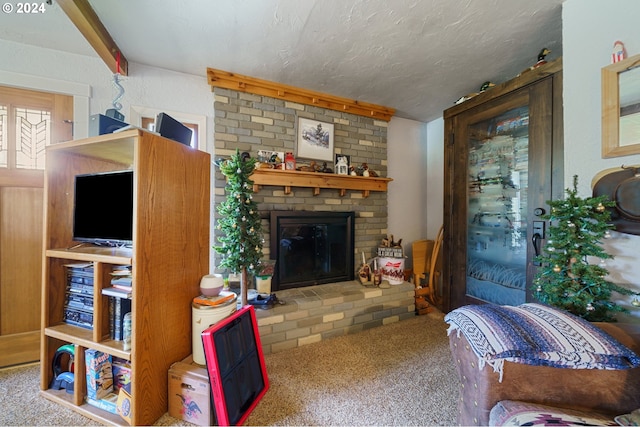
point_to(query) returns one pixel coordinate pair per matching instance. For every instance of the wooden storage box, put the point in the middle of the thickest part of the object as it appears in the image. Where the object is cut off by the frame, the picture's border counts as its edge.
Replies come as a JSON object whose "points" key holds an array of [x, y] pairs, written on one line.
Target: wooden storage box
{"points": [[190, 393]]}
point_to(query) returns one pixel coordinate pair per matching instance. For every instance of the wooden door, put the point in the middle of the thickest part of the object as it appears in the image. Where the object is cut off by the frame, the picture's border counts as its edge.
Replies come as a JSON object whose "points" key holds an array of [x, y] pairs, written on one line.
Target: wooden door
{"points": [[499, 171], [29, 121]]}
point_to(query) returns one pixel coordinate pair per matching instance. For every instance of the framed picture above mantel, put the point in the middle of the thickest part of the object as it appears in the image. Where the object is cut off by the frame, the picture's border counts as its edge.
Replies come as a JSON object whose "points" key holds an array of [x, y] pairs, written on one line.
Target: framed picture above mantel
{"points": [[315, 140]]}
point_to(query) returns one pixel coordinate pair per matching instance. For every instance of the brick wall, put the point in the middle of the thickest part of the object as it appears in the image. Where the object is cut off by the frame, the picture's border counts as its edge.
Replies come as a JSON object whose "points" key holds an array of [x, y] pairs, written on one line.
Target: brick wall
{"points": [[252, 122]]}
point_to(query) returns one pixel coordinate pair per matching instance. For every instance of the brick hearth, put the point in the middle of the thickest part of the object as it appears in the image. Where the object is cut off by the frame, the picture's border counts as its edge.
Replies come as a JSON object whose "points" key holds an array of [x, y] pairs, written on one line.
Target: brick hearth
{"points": [[315, 313]]}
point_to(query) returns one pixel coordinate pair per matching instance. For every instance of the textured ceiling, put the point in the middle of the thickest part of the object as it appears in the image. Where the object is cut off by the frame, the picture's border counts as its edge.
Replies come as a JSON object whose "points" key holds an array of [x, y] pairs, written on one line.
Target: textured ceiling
{"points": [[415, 56]]}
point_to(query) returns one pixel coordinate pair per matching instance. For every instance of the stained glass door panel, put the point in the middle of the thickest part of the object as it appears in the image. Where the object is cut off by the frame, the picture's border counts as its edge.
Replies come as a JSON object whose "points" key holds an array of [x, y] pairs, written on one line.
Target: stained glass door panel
{"points": [[497, 207]]}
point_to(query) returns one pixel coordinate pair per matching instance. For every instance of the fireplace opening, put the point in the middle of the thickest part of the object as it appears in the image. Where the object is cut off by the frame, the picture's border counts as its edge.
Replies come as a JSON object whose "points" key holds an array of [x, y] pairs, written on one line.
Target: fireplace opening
{"points": [[311, 248]]}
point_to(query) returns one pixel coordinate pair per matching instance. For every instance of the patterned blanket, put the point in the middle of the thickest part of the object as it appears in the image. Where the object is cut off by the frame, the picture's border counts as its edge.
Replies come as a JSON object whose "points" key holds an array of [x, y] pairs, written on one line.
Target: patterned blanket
{"points": [[539, 335]]}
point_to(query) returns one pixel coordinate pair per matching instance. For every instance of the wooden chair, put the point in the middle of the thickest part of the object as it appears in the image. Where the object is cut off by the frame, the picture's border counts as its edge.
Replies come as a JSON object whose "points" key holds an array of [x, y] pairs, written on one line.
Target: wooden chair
{"points": [[427, 272]]}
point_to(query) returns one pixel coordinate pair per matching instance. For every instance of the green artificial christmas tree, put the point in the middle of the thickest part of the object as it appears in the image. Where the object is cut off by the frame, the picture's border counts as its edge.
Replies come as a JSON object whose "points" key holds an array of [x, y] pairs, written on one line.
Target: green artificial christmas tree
{"points": [[241, 239], [573, 274]]}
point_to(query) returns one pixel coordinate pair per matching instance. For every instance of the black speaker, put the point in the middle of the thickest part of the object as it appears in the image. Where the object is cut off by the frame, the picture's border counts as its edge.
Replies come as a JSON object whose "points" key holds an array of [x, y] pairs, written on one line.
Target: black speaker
{"points": [[99, 124]]}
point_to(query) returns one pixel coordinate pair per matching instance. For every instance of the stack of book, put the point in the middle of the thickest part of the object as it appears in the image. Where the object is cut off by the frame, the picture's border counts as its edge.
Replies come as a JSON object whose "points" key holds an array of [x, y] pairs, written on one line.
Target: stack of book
{"points": [[119, 294], [78, 307]]}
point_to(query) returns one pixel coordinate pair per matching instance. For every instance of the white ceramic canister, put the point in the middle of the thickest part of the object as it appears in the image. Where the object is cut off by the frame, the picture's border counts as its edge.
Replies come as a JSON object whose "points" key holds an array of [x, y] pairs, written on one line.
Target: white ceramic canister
{"points": [[202, 317]]}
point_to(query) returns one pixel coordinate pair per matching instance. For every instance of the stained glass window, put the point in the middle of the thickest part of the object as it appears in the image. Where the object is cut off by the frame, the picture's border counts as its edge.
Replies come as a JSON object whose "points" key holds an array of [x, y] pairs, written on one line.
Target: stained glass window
{"points": [[33, 134]]}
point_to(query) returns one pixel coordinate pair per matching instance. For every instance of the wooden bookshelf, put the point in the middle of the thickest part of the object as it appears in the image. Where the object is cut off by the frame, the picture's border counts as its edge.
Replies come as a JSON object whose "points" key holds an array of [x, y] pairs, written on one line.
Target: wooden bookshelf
{"points": [[169, 255]]}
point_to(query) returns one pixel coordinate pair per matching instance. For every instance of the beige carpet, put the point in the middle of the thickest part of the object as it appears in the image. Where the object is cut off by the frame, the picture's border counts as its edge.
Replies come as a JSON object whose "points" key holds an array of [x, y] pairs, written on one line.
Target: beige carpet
{"points": [[397, 374]]}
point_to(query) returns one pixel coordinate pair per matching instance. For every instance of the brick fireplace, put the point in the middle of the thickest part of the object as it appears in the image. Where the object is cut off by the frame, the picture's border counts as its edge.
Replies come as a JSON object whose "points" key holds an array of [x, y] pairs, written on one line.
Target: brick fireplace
{"points": [[311, 248], [249, 122]]}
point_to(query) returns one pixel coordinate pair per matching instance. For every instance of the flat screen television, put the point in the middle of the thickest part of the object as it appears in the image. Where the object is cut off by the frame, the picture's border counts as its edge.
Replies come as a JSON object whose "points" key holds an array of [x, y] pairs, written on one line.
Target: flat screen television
{"points": [[170, 128], [103, 208]]}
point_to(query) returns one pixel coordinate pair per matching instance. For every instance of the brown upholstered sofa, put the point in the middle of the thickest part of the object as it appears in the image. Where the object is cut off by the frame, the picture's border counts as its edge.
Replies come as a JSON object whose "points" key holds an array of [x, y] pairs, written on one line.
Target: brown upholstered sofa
{"points": [[608, 392]]}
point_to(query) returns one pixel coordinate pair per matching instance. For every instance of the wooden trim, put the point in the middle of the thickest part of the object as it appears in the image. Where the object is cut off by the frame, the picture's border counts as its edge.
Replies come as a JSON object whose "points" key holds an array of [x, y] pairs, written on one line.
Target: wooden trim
{"points": [[21, 178], [85, 19], [19, 348], [611, 109], [317, 180], [233, 81]]}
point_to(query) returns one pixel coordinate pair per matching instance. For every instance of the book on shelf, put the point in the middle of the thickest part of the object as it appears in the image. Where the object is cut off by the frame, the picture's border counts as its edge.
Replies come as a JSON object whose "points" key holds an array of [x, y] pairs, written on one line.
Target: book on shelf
{"points": [[78, 306], [78, 288], [121, 271], [98, 372], [80, 269], [107, 403], [117, 292], [80, 301], [121, 277], [118, 308], [80, 280], [80, 266], [78, 317], [122, 281]]}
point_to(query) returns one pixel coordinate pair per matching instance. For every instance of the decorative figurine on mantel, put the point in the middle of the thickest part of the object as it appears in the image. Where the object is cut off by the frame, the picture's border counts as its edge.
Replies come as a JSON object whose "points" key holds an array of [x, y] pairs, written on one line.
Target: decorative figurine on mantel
{"points": [[324, 168], [619, 52], [342, 166], [368, 172], [311, 167], [541, 60], [486, 85], [362, 170]]}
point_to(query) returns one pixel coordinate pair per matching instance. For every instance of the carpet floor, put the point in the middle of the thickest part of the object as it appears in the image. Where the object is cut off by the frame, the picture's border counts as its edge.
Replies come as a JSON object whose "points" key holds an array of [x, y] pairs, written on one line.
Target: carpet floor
{"points": [[397, 374]]}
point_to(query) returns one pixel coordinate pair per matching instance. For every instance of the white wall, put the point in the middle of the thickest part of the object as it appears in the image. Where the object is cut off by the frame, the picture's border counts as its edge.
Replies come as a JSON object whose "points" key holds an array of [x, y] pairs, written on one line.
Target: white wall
{"points": [[408, 192], [416, 164], [91, 84], [590, 28], [144, 87], [435, 176]]}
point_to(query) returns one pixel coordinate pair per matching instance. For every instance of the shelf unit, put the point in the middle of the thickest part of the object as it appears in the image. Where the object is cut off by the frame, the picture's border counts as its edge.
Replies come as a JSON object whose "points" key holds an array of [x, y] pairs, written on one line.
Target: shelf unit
{"points": [[169, 255], [317, 181]]}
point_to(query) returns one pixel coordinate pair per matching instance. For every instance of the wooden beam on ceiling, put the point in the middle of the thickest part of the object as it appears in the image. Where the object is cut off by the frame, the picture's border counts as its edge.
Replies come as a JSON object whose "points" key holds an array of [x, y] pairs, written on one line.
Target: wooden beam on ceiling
{"points": [[85, 19], [227, 80]]}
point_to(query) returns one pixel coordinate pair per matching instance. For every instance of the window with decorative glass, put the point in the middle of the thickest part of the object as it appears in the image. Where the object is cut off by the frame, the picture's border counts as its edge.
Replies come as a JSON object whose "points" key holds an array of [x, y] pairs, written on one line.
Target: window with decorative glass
{"points": [[27, 126]]}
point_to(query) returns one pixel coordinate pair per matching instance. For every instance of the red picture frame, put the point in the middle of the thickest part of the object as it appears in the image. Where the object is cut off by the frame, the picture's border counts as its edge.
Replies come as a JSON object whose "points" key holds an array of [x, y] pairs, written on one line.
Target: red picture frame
{"points": [[235, 364]]}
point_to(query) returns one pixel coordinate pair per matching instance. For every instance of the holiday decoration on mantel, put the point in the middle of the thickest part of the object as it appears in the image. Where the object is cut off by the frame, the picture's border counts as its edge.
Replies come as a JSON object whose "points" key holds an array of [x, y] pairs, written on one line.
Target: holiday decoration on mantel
{"points": [[241, 239], [619, 52], [567, 278]]}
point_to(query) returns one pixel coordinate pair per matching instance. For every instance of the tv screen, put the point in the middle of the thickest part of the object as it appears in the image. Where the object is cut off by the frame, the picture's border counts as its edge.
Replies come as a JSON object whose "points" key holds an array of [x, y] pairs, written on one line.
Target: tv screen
{"points": [[103, 208], [170, 128]]}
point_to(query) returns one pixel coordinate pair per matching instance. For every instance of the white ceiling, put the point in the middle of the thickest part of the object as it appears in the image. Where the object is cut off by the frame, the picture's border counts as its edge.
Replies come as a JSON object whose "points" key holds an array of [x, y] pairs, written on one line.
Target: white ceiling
{"points": [[416, 56]]}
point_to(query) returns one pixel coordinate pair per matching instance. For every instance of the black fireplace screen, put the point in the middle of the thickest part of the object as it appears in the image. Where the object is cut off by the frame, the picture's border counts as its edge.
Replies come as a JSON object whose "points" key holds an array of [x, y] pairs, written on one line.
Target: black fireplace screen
{"points": [[311, 248]]}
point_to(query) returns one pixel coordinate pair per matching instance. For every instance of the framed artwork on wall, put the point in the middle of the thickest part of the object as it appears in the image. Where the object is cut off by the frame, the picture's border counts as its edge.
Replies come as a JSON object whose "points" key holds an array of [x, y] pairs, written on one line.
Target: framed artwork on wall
{"points": [[315, 140]]}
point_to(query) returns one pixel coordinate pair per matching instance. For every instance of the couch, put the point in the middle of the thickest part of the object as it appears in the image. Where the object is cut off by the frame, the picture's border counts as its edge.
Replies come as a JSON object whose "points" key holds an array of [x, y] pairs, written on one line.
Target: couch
{"points": [[513, 386]]}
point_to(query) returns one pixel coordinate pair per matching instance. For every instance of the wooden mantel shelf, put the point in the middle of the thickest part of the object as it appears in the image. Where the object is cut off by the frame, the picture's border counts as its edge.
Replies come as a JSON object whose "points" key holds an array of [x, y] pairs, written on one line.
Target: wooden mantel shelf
{"points": [[317, 181]]}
